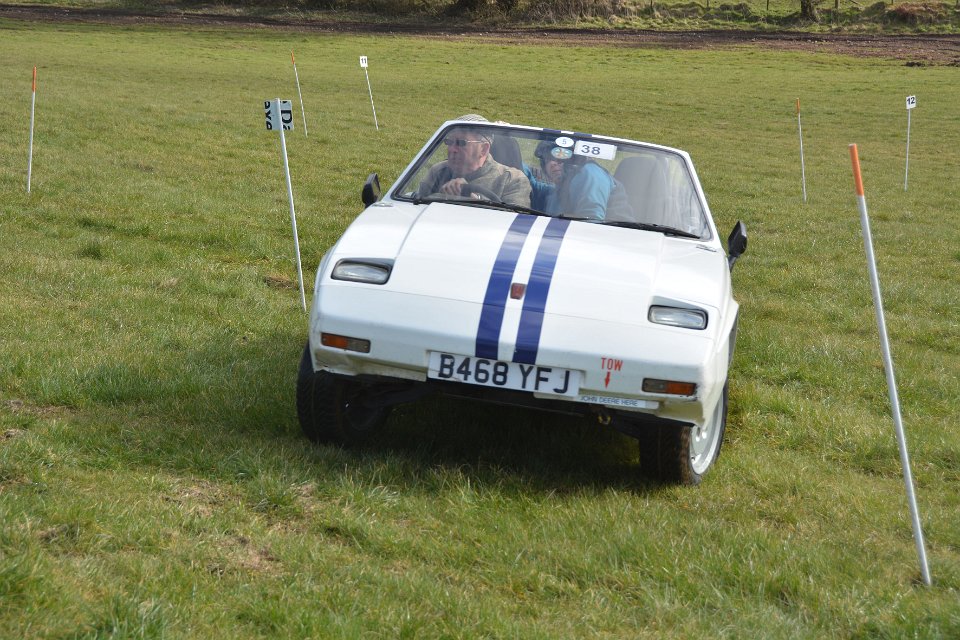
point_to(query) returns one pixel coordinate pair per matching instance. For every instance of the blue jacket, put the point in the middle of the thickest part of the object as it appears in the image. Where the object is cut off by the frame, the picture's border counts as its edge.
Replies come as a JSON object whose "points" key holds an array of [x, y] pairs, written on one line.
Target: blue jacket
{"points": [[541, 189], [586, 194]]}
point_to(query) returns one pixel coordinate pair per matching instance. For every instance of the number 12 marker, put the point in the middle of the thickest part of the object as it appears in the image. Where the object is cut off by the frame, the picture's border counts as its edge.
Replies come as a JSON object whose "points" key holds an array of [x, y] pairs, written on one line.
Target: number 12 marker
{"points": [[911, 105]]}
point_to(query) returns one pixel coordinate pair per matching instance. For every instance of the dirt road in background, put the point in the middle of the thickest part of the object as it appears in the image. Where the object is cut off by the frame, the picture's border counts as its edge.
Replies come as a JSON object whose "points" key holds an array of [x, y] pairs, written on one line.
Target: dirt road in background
{"points": [[913, 50]]}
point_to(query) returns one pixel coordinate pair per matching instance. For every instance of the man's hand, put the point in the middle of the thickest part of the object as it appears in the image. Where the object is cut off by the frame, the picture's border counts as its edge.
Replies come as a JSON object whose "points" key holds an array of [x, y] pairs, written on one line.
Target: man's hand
{"points": [[453, 187]]}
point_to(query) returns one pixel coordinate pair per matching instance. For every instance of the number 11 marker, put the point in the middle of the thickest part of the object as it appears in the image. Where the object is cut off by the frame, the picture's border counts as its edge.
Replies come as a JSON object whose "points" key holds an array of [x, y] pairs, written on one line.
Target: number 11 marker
{"points": [[363, 65]]}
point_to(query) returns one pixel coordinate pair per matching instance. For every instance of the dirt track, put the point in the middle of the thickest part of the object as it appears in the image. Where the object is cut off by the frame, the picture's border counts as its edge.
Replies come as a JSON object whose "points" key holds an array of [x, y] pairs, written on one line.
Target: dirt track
{"points": [[915, 50]]}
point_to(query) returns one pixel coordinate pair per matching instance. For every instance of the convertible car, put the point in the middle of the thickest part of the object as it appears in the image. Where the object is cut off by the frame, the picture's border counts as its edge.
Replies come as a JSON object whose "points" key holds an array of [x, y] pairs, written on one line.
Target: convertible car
{"points": [[550, 269]]}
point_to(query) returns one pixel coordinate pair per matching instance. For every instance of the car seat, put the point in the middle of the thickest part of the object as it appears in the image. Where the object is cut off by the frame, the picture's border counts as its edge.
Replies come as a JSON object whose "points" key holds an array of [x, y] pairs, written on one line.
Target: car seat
{"points": [[646, 185], [506, 151]]}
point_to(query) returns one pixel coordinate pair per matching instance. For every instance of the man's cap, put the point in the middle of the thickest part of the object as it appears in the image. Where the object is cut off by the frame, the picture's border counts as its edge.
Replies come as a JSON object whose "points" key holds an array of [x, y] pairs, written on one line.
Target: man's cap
{"points": [[480, 133]]}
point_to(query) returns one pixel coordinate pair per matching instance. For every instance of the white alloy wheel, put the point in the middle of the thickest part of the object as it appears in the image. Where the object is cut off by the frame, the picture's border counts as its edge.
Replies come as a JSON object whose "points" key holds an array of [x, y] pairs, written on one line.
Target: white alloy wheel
{"points": [[705, 440]]}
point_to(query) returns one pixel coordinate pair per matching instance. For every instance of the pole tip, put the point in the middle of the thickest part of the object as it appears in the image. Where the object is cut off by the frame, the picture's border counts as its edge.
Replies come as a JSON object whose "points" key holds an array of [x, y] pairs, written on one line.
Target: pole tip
{"points": [[855, 161]]}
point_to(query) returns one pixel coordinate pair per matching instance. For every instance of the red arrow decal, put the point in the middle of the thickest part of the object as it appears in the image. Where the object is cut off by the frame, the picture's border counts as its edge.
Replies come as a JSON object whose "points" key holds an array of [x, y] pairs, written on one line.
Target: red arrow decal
{"points": [[606, 382]]}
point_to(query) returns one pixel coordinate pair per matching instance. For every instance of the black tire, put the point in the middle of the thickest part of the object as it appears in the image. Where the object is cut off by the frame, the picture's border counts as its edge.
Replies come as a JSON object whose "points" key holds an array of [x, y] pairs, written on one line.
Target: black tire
{"points": [[333, 409], [682, 455]]}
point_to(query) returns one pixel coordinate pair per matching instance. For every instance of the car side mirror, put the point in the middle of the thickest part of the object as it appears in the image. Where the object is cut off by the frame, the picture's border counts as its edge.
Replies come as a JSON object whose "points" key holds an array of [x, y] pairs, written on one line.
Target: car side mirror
{"points": [[371, 190], [736, 243]]}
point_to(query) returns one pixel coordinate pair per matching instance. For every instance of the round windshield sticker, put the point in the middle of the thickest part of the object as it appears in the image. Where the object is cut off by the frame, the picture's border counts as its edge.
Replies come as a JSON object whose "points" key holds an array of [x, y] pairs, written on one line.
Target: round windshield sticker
{"points": [[564, 142]]}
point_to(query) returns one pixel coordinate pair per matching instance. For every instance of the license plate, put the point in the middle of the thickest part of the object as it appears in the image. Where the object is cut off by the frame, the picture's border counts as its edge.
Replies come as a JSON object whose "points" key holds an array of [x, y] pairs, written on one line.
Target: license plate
{"points": [[504, 375]]}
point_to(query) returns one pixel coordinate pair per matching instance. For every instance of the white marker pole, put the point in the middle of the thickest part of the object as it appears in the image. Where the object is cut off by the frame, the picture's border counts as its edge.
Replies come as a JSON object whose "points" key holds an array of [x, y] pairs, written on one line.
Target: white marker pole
{"points": [[293, 215], [280, 112], [888, 366], [363, 64], [297, 76], [33, 105], [911, 103], [803, 168]]}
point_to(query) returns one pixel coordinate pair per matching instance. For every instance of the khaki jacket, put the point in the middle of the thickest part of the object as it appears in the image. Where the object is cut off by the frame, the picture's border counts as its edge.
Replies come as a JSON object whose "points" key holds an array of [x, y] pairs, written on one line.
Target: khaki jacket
{"points": [[508, 183]]}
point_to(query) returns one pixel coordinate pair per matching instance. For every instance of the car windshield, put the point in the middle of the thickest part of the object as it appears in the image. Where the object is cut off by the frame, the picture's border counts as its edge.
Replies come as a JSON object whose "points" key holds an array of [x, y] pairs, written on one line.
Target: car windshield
{"points": [[561, 174]]}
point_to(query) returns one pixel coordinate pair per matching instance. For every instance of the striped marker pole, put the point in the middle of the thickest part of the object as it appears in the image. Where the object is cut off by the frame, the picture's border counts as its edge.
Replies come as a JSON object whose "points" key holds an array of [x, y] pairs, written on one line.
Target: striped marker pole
{"points": [[888, 366], [33, 105], [297, 76], [803, 169]]}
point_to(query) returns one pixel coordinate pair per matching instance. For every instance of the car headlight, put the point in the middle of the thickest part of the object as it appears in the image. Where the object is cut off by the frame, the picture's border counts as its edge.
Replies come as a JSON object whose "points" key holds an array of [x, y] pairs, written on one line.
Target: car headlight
{"points": [[677, 317], [369, 271]]}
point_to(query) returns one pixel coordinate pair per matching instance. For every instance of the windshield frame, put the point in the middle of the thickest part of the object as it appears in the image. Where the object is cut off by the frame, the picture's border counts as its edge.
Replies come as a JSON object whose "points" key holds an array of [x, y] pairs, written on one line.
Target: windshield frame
{"points": [[434, 144]]}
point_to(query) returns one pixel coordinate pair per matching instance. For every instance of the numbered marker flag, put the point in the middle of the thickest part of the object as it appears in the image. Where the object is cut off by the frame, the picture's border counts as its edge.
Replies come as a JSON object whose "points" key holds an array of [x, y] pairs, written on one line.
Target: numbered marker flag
{"points": [[911, 104], [363, 65], [279, 117], [277, 114]]}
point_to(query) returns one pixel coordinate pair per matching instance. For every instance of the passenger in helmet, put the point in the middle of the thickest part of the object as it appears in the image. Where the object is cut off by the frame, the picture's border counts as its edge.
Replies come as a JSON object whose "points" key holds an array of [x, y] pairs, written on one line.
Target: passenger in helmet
{"points": [[543, 179], [586, 190]]}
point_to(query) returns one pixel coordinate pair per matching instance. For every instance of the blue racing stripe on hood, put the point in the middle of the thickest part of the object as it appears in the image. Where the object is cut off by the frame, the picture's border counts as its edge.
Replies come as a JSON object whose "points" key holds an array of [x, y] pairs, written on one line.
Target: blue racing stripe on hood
{"points": [[531, 318], [498, 288]]}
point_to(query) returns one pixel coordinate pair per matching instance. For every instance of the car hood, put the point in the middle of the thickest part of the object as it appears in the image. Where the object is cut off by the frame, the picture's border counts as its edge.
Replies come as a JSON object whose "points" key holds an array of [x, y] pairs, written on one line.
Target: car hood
{"points": [[580, 269]]}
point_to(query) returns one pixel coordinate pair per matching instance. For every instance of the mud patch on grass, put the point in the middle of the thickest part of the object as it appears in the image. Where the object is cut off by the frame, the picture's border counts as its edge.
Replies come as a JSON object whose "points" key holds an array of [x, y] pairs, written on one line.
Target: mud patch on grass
{"points": [[241, 555], [201, 499], [19, 407], [275, 281]]}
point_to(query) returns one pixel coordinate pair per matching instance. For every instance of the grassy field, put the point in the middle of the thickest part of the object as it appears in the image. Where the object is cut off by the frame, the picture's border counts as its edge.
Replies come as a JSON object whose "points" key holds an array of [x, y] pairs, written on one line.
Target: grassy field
{"points": [[153, 482]]}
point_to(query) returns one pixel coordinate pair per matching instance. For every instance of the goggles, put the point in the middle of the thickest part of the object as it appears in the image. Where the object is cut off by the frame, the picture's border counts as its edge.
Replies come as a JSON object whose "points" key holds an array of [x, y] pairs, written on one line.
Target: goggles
{"points": [[559, 153]]}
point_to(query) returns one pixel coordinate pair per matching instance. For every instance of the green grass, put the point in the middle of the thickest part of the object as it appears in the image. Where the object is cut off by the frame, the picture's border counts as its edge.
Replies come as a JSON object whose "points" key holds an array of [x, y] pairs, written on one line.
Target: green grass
{"points": [[153, 482]]}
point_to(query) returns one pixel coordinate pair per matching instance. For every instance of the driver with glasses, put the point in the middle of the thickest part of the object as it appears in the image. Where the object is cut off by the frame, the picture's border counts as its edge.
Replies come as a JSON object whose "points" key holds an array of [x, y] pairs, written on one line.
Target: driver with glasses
{"points": [[470, 171]]}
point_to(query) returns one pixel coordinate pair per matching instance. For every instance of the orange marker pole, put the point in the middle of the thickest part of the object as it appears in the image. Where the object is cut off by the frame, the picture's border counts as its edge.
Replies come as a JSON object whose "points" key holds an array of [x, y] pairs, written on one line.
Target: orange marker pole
{"points": [[888, 366], [33, 105], [297, 76], [803, 169]]}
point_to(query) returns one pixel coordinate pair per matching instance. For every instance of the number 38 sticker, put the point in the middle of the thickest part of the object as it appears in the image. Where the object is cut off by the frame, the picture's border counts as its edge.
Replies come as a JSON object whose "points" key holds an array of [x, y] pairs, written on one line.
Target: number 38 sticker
{"points": [[597, 150]]}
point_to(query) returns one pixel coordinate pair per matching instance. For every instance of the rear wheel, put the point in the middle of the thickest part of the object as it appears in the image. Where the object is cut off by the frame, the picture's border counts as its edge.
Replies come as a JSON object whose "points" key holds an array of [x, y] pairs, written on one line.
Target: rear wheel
{"points": [[683, 454], [334, 409]]}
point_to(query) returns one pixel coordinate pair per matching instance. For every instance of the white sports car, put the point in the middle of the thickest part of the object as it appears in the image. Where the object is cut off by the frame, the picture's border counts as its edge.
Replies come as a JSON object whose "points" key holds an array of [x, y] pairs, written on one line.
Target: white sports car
{"points": [[550, 269]]}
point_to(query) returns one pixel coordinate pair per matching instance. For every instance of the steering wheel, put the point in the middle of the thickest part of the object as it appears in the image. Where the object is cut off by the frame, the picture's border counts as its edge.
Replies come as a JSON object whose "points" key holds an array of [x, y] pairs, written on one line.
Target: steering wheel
{"points": [[469, 189]]}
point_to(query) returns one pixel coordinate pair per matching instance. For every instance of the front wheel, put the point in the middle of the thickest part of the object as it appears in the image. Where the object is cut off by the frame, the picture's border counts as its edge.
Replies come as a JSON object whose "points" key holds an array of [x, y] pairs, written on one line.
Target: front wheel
{"points": [[684, 454], [334, 409]]}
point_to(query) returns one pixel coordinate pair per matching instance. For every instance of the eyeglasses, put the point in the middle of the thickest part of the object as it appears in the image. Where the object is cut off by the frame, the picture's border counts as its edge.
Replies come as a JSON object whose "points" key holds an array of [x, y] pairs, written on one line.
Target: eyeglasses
{"points": [[459, 142]]}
